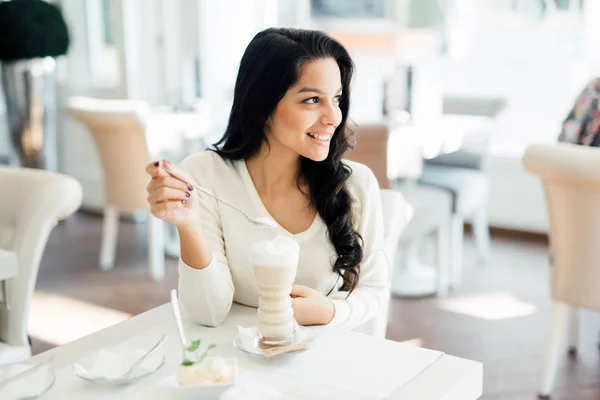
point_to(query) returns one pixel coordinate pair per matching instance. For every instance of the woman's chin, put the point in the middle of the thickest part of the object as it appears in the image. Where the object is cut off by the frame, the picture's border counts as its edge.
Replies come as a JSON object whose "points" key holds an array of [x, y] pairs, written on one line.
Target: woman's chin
{"points": [[317, 156]]}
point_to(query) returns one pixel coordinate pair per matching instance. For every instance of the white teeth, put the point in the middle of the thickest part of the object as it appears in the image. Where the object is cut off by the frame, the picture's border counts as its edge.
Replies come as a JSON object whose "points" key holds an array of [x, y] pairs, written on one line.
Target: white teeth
{"points": [[322, 138]]}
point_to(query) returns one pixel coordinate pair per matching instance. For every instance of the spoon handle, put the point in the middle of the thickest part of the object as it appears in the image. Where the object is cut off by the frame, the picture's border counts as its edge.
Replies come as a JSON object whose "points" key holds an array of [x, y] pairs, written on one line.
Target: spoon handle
{"points": [[178, 321], [201, 189], [144, 357]]}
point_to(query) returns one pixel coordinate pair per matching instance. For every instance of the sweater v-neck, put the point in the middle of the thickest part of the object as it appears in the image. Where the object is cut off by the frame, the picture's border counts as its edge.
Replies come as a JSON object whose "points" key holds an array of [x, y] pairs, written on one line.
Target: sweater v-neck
{"points": [[258, 204]]}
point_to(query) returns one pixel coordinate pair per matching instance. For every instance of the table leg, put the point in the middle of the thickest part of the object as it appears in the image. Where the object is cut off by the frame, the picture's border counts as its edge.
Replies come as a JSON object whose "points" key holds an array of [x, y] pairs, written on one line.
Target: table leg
{"points": [[411, 277]]}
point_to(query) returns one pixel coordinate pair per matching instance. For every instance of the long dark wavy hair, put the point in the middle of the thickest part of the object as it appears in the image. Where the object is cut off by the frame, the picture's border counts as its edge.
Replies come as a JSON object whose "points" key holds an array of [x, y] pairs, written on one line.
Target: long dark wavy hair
{"points": [[271, 64]]}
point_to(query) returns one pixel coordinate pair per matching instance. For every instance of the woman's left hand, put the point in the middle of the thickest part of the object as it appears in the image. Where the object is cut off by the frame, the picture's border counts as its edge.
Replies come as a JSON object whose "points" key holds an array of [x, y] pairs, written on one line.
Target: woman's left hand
{"points": [[311, 307]]}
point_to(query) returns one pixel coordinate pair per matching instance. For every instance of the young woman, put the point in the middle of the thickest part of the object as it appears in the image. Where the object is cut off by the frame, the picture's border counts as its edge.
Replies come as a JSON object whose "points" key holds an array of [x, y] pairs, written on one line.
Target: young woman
{"points": [[281, 158]]}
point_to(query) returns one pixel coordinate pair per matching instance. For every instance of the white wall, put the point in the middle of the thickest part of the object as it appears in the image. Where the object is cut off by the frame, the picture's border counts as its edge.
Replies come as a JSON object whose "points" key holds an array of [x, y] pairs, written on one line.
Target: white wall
{"points": [[226, 28]]}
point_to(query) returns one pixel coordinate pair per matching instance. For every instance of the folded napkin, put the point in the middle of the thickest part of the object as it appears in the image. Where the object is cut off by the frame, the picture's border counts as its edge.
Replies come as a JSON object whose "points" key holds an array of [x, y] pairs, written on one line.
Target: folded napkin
{"points": [[30, 385], [111, 363], [249, 338]]}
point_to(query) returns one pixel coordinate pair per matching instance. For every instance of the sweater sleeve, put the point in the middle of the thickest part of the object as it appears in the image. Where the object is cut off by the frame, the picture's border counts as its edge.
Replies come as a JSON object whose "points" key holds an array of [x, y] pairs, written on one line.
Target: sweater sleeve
{"points": [[369, 295], [206, 294]]}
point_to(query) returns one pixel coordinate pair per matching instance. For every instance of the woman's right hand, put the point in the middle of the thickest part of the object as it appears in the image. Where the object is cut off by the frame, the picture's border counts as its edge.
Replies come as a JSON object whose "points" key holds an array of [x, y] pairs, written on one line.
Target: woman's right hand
{"points": [[171, 198]]}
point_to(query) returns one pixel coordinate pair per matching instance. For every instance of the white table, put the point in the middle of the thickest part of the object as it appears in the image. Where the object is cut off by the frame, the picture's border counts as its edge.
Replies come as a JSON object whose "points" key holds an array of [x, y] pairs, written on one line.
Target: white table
{"points": [[448, 377]]}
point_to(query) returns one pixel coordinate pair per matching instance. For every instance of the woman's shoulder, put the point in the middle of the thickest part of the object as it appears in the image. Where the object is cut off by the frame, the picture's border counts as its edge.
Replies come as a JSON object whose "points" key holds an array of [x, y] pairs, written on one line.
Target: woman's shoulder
{"points": [[361, 179], [207, 163]]}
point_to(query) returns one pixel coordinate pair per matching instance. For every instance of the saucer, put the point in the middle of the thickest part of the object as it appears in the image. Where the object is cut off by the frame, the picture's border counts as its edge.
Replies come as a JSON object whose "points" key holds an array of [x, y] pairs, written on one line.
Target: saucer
{"points": [[248, 340], [117, 381], [109, 365], [47, 385]]}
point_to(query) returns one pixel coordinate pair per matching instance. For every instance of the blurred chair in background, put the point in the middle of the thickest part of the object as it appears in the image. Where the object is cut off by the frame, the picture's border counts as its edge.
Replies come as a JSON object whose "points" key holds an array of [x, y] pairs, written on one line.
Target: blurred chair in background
{"points": [[571, 178], [31, 204], [461, 173], [431, 210], [118, 130]]}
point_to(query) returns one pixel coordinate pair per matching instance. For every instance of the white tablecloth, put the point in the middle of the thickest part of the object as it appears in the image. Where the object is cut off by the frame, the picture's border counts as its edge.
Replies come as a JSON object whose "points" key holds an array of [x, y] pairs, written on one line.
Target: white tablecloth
{"points": [[342, 364]]}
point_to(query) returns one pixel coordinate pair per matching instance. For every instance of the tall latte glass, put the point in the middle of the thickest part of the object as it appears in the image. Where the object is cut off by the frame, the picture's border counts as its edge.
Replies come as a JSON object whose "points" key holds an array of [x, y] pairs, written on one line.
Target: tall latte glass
{"points": [[275, 264]]}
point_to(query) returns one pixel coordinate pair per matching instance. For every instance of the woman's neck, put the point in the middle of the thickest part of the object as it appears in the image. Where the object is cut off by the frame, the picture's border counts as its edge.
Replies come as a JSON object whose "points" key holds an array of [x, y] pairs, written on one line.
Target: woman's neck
{"points": [[273, 171]]}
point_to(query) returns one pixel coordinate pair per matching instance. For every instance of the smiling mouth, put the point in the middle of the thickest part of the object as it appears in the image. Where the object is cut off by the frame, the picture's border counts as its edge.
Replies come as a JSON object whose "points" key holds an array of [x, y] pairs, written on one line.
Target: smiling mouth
{"points": [[320, 138]]}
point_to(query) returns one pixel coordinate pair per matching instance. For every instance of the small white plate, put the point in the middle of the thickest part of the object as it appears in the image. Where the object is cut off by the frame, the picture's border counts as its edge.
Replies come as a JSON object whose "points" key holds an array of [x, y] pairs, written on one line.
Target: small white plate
{"points": [[108, 365], [49, 383], [119, 381], [50, 380], [304, 337]]}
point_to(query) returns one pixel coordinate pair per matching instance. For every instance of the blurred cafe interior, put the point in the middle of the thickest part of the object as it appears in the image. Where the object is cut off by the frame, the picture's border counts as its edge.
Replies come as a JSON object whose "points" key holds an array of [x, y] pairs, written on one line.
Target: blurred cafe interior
{"points": [[480, 120]]}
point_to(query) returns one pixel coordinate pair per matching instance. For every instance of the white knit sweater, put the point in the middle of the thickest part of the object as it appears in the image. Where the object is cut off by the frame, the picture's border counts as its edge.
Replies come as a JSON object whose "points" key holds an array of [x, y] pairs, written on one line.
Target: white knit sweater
{"points": [[207, 294]]}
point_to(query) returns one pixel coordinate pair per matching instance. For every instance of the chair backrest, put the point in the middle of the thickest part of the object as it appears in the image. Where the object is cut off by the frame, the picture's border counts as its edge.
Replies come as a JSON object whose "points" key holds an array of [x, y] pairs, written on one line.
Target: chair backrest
{"points": [[474, 150], [371, 150], [397, 213], [31, 204], [571, 178], [118, 130]]}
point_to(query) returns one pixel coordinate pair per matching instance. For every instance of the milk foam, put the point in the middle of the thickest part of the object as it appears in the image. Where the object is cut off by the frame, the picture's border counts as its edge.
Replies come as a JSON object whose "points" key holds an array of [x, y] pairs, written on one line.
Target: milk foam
{"points": [[279, 252]]}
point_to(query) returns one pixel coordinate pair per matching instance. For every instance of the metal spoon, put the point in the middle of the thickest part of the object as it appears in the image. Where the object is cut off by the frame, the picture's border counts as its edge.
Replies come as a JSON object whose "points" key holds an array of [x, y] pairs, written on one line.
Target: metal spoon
{"points": [[177, 313], [185, 344], [260, 221], [145, 356]]}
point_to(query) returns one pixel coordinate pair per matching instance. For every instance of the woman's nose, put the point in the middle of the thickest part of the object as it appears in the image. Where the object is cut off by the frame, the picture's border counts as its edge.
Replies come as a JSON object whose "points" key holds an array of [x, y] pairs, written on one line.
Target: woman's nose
{"points": [[331, 115]]}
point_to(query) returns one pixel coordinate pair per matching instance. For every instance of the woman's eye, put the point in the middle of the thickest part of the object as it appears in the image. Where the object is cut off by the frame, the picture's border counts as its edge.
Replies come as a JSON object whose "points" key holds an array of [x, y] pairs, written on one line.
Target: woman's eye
{"points": [[312, 100], [337, 99]]}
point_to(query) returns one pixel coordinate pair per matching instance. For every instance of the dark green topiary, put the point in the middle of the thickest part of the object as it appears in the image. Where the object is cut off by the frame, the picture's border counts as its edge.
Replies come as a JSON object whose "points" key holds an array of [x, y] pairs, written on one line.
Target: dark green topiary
{"points": [[31, 29]]}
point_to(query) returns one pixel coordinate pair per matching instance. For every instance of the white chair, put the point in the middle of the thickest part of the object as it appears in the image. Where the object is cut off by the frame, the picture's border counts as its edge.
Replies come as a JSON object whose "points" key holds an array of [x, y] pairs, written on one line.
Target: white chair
{"points": [[431, 208], [470, 190], [461, 174], [118, 129], [571, 178], [397, 214], [31, 204]]}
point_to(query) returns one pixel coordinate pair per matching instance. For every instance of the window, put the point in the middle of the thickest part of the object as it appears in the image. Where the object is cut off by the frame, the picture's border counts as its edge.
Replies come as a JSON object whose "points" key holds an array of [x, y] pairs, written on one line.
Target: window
{"points": [[103, 54]]}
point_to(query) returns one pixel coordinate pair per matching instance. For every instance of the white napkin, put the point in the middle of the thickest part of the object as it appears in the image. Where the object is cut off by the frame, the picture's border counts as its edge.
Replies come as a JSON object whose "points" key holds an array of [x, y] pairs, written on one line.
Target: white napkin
{"points": [[359, 363], [113, 362], [30, 385], [248, 338]]}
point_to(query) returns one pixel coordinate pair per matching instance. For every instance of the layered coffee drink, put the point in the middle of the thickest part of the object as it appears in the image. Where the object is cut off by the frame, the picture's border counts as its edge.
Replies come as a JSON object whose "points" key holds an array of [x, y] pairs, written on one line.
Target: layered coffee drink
{"points": [[275, 263]]}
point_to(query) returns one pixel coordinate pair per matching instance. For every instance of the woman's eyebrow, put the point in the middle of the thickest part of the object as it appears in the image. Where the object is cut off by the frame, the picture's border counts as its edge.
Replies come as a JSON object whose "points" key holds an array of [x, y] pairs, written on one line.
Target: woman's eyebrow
{"points": [[314, 90]]}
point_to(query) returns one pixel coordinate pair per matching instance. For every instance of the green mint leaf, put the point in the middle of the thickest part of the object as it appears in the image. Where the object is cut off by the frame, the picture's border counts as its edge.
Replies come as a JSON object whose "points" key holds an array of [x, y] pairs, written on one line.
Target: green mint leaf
{"points": [[187, 363], [212, 346], [194, 346]]}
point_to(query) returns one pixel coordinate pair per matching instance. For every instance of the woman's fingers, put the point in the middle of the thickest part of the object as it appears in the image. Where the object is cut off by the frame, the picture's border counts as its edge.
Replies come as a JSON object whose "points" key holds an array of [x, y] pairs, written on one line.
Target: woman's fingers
{"points": [[155, 170], [162, 210], [300, 291], [166, 194], [174, 171], [168, 182]]}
